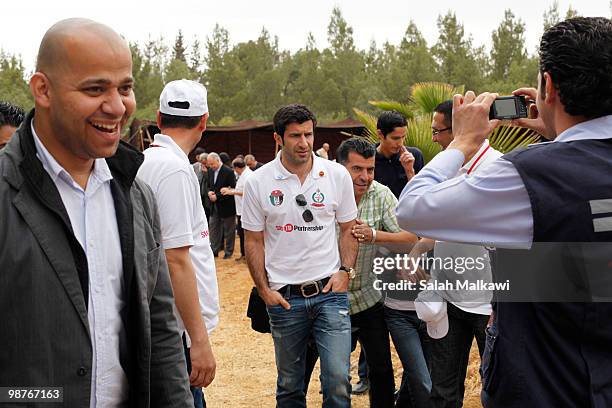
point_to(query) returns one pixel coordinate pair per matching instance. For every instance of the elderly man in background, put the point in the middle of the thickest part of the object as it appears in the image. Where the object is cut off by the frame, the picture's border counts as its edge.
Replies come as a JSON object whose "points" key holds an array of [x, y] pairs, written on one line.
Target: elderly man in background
{"points": [[223, 213]]}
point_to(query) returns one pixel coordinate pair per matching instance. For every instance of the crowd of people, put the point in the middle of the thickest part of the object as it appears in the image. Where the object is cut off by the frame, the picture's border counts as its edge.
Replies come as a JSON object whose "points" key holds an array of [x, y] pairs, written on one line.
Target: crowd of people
{"points": [[108, 285]]}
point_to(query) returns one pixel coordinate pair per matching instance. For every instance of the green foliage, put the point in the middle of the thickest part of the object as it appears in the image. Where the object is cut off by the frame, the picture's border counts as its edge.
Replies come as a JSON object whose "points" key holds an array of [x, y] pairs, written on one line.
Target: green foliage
{"points": [[402, 108], [179, 50], [508, 45], [369, 121], [506, 138], [252, 79], [551, 15], [13, 87], [459, 63], [427, 95], [419, 135]]}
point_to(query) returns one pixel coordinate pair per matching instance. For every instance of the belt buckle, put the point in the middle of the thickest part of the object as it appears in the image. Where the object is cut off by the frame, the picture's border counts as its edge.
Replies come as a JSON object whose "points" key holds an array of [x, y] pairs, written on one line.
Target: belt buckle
{"points": [[307, 285]]}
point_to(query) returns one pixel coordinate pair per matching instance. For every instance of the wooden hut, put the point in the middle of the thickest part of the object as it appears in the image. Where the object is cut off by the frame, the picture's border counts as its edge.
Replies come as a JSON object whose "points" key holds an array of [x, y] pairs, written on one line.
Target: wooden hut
{"points": [[250, 137]]}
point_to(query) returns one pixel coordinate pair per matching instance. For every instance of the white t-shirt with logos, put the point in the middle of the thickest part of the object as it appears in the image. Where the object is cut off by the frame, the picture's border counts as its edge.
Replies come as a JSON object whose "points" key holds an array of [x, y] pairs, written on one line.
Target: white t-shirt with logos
{"points": [[167, 171], [240, 187], [297, 251]]}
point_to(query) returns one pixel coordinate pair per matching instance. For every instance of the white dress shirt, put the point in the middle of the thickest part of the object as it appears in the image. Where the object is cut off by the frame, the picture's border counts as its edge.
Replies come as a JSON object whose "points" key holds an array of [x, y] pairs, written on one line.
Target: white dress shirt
{"points": [[93, 219], [489, 208]]}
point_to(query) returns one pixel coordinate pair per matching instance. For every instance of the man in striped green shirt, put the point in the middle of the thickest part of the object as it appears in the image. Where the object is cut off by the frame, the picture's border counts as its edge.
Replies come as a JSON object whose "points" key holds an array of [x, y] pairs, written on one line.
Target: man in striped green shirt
{"points": [[376, 223]]}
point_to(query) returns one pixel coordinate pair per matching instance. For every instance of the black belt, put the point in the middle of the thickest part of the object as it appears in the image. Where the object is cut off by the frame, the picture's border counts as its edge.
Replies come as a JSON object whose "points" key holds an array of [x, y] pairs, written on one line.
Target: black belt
{"points": [[306, 289]]}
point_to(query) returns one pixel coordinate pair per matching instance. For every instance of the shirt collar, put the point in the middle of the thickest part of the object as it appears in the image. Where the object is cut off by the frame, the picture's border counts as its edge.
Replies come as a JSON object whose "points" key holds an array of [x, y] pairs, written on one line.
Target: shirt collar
{"points": [[100, 171], [281, 173], [469, 164], [167, 142], [598, 128]]}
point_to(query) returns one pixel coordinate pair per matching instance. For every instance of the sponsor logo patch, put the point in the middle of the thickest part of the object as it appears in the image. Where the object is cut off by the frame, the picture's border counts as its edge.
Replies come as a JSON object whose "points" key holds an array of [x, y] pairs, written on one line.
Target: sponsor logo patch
{"points": [[317, 199], [276, 198], [292, 227]]}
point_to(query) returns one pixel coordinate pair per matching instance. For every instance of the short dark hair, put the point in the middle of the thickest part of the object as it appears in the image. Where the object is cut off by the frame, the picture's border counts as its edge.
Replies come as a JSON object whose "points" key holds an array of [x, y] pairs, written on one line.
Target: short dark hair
{"points": [[577, 54], [389, 120], [225, 158], [355, 144], [180, 122], [294, 113], [11, 115], [446, 108]]}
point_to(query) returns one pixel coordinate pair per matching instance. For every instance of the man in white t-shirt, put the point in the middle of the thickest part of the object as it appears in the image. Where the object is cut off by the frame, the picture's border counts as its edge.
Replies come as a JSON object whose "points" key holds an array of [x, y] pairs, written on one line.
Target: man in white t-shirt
{"points": [[182, 115], [467, 311], [301, 270], [243, 172]]}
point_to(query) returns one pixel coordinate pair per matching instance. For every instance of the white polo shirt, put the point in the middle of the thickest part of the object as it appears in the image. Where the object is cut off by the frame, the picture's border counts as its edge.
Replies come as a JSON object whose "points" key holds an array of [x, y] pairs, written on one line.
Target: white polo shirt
{"points": [[167, 171], [297, 251]]}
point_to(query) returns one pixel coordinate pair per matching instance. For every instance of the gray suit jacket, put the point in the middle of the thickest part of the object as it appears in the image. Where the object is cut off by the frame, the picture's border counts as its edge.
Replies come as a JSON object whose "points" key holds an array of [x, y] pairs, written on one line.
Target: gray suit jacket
{"points": [[44, 331]]}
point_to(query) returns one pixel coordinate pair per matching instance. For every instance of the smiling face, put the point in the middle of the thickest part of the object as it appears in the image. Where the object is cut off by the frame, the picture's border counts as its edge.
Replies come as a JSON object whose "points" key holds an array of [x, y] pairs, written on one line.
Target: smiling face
{"points": [[443, 134], [361, 171], [88, 99]]}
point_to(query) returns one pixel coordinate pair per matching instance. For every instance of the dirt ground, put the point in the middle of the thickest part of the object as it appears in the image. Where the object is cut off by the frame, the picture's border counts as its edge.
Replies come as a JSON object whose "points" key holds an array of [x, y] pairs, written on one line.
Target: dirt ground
{"points": [[246, 374]]}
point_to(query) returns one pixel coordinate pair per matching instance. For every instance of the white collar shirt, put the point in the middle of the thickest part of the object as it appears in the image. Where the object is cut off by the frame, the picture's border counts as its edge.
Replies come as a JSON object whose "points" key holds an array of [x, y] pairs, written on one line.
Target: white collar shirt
{"points": [[93, 219]]}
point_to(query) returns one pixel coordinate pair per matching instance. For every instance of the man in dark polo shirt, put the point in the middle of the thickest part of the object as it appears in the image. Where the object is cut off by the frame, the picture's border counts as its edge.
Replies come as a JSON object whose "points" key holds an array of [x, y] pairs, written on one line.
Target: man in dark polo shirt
{"points": [[396, 164]]}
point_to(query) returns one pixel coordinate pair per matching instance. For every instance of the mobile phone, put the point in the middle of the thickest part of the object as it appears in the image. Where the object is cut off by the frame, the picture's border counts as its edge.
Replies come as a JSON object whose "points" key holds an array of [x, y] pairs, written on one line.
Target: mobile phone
{"points": [[509, 107]]}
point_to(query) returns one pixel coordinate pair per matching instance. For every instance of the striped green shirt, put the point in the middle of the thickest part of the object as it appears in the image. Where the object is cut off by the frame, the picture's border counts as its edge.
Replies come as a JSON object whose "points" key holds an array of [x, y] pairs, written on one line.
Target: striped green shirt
{"points": [[377, 209]]}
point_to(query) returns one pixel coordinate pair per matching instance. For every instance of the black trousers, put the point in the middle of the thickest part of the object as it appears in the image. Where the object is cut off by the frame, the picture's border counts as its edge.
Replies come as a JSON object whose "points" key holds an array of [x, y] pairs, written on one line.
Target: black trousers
{"points": [[240, 232], [449, 356], [370, 329]]}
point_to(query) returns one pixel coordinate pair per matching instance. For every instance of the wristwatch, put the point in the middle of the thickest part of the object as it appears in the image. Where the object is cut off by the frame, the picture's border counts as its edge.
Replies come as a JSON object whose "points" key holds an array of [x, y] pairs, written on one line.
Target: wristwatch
{"points": [[350, 271]]}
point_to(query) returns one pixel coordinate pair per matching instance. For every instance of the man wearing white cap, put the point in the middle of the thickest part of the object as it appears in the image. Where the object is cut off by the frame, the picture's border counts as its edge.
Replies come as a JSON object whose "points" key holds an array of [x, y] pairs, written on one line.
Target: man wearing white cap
{"points": [[182, 115]]}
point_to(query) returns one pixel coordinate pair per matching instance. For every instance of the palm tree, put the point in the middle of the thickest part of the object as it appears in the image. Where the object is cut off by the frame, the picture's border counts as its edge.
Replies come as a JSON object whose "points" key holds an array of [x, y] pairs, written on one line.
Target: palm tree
{"points": [[424, 97]]}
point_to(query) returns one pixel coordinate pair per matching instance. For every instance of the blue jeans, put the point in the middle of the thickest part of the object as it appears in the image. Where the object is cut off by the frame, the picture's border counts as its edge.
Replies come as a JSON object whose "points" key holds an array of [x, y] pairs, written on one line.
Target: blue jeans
{"points": [[325, 317], [409, 334]]}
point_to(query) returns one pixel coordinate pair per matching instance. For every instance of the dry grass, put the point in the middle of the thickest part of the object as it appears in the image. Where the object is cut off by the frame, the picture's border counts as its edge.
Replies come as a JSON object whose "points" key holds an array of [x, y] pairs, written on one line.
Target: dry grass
{"points": [[246, 374]]}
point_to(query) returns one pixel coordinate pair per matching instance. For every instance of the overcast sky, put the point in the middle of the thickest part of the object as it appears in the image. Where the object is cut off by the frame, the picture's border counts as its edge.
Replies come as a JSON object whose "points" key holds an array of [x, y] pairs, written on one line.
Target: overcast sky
{"points": [[24, 23]]}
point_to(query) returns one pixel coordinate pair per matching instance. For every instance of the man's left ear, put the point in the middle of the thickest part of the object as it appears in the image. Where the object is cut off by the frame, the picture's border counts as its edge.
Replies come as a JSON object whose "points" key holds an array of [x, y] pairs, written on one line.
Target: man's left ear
{"points": [[550, 89]]}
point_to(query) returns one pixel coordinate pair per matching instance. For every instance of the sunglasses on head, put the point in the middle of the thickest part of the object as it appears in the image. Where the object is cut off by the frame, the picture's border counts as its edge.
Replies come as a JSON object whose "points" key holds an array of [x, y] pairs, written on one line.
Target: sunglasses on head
{"points": [[301, 201]]}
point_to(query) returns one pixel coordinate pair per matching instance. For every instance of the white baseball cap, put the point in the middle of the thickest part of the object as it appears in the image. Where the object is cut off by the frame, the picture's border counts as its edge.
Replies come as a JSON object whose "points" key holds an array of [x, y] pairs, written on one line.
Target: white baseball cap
{"points": [[431, 308], [183, 98]]}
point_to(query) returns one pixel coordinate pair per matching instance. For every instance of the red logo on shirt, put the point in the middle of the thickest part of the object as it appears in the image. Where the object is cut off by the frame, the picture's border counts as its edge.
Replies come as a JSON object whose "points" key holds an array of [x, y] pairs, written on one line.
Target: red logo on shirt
{"points": [[286, 227], [204, 234]]}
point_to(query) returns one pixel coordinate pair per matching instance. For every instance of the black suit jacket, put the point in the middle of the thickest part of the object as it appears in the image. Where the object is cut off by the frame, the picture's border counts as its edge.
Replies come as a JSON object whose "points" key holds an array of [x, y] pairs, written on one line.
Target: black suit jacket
{"points": [[225, 205]]}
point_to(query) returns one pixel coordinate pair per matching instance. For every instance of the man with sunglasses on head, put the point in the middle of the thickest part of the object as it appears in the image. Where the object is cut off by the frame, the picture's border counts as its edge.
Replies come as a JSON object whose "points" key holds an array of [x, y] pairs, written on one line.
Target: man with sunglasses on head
{"points": [[301, 270]]}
